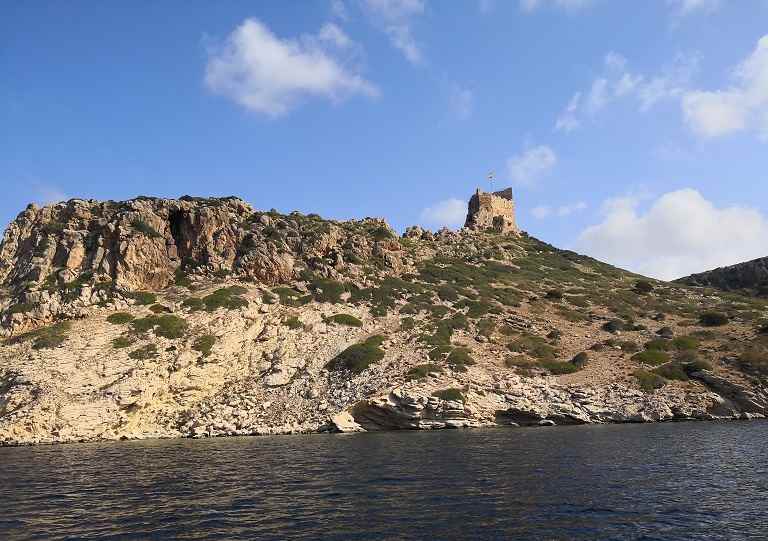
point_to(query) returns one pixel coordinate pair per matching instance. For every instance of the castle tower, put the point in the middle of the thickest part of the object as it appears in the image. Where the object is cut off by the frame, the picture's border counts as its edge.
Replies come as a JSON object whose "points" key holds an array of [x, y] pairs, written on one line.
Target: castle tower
{"points": [[494, 211]]}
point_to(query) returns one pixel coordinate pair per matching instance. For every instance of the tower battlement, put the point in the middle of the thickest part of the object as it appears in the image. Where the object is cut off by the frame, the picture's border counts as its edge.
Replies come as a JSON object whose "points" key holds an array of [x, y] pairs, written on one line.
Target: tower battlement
{"points": [[494, 210]]}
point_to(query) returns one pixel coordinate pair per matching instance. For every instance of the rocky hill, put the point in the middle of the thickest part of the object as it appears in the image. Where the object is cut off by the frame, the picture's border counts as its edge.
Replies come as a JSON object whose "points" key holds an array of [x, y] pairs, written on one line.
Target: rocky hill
{"points": [[204, 317], [750, 278]]}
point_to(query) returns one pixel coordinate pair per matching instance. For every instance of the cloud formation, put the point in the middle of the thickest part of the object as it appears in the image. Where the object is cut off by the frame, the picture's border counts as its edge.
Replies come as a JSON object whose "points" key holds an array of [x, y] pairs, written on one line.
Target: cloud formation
{"points": [[528, 167], [740, 107], [690, 7], [546, 211], [270, 75], [461, 101], [680, 234], [396, 17], [618, 82], [529, 6], [447, 213]]}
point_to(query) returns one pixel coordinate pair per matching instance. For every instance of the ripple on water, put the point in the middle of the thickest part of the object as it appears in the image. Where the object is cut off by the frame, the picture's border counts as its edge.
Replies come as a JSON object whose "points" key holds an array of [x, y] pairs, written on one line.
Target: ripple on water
{"points": [[667, 481]]}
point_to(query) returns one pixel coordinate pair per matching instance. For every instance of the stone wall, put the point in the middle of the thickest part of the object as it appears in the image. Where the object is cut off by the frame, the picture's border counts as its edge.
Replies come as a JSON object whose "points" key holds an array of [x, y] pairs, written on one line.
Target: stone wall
{"points": [[494, 211]]}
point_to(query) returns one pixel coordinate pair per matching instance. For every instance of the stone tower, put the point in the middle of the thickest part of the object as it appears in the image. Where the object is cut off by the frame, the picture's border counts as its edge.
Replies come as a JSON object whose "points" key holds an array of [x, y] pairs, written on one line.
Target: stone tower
{"points": [[494, 211]]}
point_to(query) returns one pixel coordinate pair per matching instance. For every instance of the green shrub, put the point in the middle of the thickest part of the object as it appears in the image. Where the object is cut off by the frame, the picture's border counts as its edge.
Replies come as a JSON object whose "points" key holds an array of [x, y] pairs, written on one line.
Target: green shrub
{"points": [[558, 367], [682, 343], [123, 342], [345, 319], [50, 337], [554, 295], [459, 359], [713, 319], [290, 297], [580, 360], [653, 357], [21, 308], [672, 371], [204, 344], [293, 322], [358, 357], [120, 318], [447, 293], [423, 370], [143, 227], [659, 344], [648, 381], [167, 326], [439, 353], [159, 309], [268, 298], [615, 325], [444, 330], [193, 303], [754, 360], [535, 346], [143, 298], [697, 365], [452, 395], [327, 290], [226, 297], [407, 323], [144, 353], [181, 279], [643, 287]]}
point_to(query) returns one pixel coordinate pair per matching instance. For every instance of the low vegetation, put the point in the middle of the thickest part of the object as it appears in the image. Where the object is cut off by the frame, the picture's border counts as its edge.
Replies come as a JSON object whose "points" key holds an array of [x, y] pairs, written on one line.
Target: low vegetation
{"points": [[358, 357], [648, 381], [120, 318], [144, 353], [344, 319], [423, 370], [167, 326], [204, 344], [713, 319]]}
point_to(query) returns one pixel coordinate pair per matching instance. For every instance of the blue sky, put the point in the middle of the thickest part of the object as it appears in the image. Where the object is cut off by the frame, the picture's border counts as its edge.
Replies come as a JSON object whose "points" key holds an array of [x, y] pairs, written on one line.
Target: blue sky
{"points": [[635, 132]]}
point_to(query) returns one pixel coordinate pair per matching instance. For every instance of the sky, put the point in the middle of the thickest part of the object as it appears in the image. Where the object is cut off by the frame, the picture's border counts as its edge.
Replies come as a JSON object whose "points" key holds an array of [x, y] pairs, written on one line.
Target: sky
{"points": [[634, 132]]}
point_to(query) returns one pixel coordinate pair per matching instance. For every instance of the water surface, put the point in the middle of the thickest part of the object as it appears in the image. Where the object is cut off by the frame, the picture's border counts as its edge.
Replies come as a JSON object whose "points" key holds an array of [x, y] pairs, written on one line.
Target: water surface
{"points": [[663, 481]]}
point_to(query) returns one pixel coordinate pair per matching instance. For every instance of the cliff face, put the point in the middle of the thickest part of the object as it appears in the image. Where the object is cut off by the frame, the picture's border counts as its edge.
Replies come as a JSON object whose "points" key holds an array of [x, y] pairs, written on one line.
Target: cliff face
{"points": [[57, 259], [204, 317], [750, 277]]}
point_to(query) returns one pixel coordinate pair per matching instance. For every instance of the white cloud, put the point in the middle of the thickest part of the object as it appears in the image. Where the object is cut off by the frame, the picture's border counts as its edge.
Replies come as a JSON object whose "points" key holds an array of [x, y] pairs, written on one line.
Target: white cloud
{"points": [[448, 213], [617, 82], [529, 6], [395, 17], [689, 7], [546, 211], [331, 33], [680, 234], [269, 75], [339, 10], [532, 164], [568, 119], [462, 102], [742, 106], [486, 6]]}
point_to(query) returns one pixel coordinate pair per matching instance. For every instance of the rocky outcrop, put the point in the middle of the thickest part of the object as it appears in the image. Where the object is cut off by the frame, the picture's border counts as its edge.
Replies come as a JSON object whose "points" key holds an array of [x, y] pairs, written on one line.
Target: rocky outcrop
{"points": [[492, 211], [58, 259], [516, 401], [750, 277]]}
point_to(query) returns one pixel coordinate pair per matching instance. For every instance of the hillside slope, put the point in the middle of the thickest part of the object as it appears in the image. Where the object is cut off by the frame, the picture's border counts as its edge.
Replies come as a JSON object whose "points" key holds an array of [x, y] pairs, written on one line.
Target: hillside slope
{"points": [[748, 278], [203, 317]]}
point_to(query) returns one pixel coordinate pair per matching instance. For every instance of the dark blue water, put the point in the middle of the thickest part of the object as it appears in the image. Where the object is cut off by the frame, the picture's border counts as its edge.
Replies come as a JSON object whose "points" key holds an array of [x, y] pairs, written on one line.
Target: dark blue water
{"points": [[667, 481]]}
